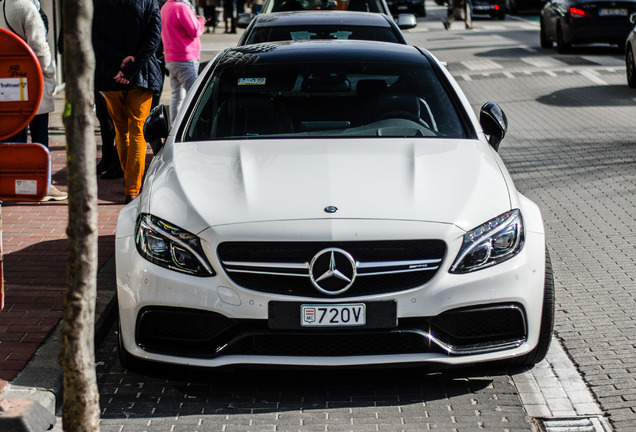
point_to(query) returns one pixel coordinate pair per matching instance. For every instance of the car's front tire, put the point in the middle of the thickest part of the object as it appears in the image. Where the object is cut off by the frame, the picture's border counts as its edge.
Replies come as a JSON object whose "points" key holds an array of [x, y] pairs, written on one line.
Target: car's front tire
{"points": [[630, 67], [127, 360], [547, 321]]}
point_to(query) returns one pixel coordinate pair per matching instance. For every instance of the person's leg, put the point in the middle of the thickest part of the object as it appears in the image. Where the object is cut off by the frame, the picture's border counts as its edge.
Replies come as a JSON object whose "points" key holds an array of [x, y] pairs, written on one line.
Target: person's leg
{"points": [[116, 103], [107, 132], [176, 87], [39, 129], [138, 107], [190, 74]]}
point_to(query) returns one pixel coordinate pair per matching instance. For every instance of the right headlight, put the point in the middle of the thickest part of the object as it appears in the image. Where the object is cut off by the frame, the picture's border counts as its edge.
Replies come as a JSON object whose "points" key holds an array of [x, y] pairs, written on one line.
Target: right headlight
{"points": [[489, 244], [171, 247]]}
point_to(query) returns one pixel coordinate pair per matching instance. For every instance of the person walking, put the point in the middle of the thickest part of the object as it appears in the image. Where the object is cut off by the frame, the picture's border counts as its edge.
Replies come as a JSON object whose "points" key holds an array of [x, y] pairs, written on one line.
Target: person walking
{"points": [[180, 31], [23, 18], [126, 35], [229, 15], [458, 10]]}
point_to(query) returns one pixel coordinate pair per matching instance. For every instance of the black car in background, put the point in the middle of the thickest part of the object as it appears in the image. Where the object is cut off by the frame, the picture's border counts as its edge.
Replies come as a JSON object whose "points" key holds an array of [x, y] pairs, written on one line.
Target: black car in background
{"points": [[515, 6], [404, 20], [568, 22], [416, 7], [321, 25], [495, 8], [630, 54]]}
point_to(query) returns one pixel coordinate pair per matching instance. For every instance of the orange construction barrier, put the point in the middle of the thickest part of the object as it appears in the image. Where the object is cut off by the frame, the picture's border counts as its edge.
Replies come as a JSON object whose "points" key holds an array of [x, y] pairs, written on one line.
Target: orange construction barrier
{"points": [[25, 169]]}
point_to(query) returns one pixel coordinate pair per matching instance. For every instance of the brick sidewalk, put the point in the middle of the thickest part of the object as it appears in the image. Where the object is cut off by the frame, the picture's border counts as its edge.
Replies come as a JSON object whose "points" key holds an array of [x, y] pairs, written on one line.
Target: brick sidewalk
{"points": [[35, 255]]}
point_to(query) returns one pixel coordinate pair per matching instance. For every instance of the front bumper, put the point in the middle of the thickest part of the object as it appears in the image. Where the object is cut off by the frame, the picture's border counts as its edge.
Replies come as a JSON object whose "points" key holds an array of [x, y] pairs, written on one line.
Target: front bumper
{"points": [[486, 315]]}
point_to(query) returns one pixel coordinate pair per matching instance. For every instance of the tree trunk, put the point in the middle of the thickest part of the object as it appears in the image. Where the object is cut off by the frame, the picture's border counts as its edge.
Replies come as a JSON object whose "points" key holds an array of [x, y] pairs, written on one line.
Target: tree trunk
{"points": [[80, 408]]}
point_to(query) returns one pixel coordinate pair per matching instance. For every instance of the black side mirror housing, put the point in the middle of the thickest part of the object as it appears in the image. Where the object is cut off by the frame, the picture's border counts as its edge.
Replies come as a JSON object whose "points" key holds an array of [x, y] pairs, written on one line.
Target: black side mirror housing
{"points": [[406, 21], [494, 123], [156, 127], [244, 19]]}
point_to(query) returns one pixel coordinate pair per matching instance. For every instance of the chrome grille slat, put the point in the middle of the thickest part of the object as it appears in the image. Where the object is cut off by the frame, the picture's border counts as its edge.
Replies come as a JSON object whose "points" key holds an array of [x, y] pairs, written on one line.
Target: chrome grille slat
{"points": [[382, 266]]}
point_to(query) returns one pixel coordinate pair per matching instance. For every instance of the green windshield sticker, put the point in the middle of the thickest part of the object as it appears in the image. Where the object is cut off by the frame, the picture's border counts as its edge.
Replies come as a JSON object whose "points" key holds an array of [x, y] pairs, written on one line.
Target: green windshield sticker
{"points": [[251, 81]]}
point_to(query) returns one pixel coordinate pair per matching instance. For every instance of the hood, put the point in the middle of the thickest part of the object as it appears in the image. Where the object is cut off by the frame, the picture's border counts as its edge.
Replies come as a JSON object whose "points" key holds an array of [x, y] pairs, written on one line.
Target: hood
{"points": [[233, 182]]}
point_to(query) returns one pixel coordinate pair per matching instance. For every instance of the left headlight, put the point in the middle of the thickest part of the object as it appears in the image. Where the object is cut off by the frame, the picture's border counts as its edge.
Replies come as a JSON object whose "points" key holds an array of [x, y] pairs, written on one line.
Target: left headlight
{"points": [[494, 242], [171, 247]]}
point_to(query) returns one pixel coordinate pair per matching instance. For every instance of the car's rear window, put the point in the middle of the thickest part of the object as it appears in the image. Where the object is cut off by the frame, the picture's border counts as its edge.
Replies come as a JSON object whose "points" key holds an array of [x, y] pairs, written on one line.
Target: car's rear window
{"points": [[272, 34], [351, 5], [347, 99]]}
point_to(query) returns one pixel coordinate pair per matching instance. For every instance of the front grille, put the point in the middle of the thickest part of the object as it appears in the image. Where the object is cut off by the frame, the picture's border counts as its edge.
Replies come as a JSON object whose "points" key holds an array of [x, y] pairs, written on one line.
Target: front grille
{"points": [[283, 267], [200, 334]]}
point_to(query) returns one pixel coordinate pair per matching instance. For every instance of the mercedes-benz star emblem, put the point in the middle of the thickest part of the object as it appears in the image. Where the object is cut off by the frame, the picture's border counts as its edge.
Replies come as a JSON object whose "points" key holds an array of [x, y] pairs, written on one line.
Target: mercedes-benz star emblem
{"points": [[332, 271]]}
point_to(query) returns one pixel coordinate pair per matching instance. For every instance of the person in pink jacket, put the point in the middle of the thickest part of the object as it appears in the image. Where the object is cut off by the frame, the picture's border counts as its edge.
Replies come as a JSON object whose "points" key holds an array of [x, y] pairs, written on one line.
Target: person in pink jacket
{"points": [[180, 31]]}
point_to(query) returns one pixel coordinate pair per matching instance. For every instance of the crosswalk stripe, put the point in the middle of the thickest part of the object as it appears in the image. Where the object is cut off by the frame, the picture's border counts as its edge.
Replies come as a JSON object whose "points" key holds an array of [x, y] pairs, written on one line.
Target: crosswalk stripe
{"points": [[477, 65]]}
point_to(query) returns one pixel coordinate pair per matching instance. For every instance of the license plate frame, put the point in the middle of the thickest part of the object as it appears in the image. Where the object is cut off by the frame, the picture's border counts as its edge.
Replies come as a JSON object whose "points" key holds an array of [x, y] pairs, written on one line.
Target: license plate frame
{"points": [[333, 315], [285, 315]]}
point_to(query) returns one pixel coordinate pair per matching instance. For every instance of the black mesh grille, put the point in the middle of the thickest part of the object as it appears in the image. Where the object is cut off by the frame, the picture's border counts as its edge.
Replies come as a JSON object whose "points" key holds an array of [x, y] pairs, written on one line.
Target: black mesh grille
{"points": [[303, 252]]}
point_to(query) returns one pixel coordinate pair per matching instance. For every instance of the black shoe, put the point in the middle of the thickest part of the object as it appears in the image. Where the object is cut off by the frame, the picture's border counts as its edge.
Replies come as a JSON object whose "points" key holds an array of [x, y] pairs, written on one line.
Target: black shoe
{"points": [[113, 173], [102, 166]]}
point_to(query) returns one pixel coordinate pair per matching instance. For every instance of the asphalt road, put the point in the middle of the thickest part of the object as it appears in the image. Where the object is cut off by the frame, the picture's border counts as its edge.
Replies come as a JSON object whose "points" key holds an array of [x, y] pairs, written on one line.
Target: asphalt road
{"points": [[571, 149]]}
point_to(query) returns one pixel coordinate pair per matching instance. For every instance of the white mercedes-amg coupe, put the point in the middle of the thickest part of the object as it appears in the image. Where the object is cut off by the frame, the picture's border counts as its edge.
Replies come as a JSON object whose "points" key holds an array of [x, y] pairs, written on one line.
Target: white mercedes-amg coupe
{"points": [[331, 203]]}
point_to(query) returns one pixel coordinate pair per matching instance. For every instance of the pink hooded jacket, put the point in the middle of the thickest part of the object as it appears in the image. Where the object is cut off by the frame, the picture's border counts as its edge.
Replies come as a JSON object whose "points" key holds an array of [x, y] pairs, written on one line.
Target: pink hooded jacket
{"points": [[180, 31]]}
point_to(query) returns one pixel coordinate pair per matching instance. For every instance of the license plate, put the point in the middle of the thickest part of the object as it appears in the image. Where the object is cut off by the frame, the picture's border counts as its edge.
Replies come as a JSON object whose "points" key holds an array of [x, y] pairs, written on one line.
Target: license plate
{"points": [[612, 12], [333, 315], [402, 7]]}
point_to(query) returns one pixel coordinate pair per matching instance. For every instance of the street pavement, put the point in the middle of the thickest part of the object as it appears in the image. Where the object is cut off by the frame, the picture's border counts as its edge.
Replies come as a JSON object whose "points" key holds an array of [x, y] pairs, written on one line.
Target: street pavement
{"points": [[34, 246]]}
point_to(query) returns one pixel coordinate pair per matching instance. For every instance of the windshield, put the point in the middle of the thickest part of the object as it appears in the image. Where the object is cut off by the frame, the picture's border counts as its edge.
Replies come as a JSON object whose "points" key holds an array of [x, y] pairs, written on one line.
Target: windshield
{"points": [[347, 99], [351, 5], [283, 33]]}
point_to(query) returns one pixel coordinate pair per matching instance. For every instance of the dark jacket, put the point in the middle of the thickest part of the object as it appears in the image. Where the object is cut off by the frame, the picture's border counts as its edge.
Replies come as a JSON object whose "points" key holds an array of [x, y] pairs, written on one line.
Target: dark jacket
{"points": [[124, 28]]}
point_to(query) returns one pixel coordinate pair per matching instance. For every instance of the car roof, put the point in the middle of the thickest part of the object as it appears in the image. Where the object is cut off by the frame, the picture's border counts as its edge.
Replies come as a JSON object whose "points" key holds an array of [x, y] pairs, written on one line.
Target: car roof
{"points": [[301, 18], [324, 50]]}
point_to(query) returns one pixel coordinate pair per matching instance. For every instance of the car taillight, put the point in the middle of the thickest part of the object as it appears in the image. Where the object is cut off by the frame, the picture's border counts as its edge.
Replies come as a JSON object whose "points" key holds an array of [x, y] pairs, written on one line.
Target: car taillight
{"points": [[578, 13]]}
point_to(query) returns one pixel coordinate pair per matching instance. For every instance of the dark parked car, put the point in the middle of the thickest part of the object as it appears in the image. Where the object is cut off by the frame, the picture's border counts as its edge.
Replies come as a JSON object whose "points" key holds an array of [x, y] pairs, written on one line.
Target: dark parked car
{"points": [[515, 6], [568, 22], [416, 7], [404, 21], [308, 25], [630, 46], [494, 8]]}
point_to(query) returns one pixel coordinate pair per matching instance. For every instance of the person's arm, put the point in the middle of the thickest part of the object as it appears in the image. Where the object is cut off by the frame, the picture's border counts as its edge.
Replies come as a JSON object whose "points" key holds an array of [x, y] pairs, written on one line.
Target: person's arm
{"points": [[149, 43]]}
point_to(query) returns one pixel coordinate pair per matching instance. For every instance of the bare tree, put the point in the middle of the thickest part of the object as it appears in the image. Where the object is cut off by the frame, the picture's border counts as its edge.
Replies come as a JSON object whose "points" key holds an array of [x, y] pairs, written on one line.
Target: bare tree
{"points": [[80, 408]]}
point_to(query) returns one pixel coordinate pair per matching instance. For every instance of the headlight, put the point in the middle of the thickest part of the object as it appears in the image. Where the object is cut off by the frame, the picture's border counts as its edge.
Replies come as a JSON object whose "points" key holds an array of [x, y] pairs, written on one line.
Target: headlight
{"points": [[171, 247], [494, 242]]}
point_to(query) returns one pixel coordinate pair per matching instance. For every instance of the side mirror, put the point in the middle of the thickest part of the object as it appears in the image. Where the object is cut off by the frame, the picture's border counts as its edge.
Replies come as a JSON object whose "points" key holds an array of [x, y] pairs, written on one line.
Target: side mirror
{"points": [[156, 127], [244, 19], [494, 123], [406, 21], [632, 18]]}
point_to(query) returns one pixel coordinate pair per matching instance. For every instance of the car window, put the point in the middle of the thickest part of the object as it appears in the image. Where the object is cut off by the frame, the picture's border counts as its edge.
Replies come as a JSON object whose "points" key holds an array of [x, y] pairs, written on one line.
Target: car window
{"points": [[351, 5], [347, 99], [275, 33]]}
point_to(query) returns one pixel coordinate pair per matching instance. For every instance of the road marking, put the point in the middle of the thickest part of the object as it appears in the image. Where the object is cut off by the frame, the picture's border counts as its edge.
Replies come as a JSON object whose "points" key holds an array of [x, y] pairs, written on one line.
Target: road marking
{"points": [[476, 65], [543, 62], [593, 76]]}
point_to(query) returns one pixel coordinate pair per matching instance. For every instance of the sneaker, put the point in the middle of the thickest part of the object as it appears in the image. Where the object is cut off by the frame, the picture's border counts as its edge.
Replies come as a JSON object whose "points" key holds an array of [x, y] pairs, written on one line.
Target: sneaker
{"points": [[55, 195]]}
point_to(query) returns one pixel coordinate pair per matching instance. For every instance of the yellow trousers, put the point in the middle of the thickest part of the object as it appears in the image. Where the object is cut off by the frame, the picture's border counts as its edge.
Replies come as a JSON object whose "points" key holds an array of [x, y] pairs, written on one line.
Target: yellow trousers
{"points": [[128, 109]]}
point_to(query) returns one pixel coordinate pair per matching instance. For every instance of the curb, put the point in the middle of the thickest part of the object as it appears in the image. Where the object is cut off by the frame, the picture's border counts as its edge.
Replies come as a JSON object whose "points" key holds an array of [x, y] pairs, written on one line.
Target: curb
{"points": [[41, 380]]}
